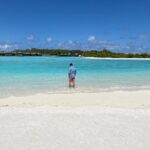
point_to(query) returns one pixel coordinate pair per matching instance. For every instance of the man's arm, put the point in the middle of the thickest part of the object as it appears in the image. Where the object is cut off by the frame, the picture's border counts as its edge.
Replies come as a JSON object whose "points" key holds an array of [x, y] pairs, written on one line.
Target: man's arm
{"points": [[75, 71], [69, 71]]}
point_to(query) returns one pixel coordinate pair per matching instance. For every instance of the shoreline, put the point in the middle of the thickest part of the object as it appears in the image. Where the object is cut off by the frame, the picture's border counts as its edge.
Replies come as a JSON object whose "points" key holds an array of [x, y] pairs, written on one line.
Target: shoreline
{"points": [[115, 58], [113, 99], [101, 58]]}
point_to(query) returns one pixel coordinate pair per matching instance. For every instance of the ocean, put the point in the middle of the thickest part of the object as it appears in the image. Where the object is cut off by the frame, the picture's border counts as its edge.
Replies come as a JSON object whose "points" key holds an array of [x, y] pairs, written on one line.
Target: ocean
{"points": [[21, 76]]}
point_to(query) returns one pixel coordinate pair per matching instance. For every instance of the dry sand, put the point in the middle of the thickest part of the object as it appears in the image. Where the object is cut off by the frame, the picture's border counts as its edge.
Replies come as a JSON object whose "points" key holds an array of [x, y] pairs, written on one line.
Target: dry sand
{"points": [[123, 99], [81, 121]]}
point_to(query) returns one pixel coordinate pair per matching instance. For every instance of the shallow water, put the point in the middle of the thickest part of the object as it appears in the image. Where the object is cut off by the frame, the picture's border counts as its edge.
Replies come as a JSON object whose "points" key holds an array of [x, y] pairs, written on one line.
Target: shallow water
{"points": [[27, 75]]}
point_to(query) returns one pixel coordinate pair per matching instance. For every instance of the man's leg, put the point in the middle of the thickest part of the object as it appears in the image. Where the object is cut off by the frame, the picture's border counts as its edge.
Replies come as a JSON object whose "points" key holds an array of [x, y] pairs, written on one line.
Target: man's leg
{"points": [[69, 82], [73, 82]]}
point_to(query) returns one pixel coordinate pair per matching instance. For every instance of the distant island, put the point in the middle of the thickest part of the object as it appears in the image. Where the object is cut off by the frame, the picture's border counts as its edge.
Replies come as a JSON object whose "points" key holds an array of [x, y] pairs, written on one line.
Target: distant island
{"points": [[73, 53]]}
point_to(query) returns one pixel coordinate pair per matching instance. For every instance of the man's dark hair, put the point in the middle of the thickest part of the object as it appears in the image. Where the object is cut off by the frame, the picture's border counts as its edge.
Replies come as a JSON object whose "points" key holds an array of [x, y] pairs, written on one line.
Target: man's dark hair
{"points": [[71, 64]]}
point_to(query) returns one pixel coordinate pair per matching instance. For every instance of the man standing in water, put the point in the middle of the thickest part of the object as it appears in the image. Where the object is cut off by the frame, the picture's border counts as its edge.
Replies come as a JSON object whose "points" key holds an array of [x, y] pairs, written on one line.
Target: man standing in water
{"points": [[72, 74]]}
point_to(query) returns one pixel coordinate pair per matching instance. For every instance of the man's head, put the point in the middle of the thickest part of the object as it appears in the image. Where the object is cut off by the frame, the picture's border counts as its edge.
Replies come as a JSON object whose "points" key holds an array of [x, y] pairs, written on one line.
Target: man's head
{"points": [[71, 64]]}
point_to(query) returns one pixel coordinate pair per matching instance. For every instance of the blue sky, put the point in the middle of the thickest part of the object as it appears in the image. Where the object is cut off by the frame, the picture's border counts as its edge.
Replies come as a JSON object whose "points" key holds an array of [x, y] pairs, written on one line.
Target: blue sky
{"points": [[118, 25]]}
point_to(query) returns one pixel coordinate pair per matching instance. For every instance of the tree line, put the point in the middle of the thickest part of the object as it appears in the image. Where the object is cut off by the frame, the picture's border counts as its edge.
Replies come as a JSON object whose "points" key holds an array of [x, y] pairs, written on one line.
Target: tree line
{"points": [[77, 53]]}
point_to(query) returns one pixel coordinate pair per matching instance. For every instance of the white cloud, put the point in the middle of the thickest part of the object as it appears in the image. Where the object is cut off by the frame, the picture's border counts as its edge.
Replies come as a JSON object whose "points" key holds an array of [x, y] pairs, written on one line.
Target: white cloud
{"points": [[30, 38], [91, 38], [49, 39], [100, 44], [94, 45], [144, 37], [91, 44], [69, 45], [7, 46], [70, 42]]}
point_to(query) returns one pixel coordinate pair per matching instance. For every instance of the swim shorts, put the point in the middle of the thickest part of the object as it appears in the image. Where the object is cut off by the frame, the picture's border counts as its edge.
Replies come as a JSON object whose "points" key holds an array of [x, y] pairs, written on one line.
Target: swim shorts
{"points": [[71, 79]]}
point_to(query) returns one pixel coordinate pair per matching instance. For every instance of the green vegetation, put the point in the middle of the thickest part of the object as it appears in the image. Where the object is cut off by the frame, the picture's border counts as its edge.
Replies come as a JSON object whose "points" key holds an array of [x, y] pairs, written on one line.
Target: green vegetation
{"points": [[51, 52], [107, 53], [62, 52]]}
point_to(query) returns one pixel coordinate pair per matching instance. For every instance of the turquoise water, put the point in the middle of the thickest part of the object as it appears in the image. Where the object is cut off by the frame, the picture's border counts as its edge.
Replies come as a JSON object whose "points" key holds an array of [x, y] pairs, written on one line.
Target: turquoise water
{"points": [[31, 75]]}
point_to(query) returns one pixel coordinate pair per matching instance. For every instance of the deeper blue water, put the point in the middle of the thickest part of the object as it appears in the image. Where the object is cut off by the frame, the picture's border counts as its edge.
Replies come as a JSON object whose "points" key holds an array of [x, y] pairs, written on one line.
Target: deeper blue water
{"points": [[31, 75]]}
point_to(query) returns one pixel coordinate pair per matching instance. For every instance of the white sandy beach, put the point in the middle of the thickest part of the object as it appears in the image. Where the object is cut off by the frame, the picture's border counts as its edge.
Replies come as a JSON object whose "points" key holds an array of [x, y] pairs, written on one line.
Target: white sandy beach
{"points": [[79, 121], [123, 99]]}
